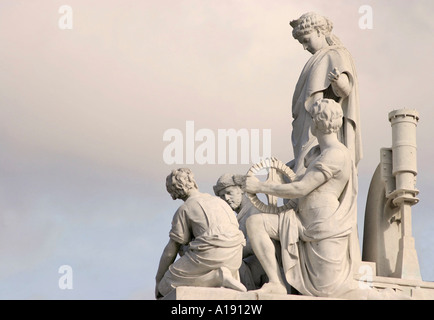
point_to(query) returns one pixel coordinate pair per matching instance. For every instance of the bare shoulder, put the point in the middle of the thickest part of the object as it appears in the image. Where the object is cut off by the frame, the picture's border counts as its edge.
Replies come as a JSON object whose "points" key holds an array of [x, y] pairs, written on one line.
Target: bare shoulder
{"points": [[336, 155]]}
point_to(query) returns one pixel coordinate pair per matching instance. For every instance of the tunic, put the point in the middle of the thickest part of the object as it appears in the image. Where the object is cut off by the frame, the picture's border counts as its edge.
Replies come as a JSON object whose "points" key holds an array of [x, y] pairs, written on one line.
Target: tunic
{"points": [[210, 227]]}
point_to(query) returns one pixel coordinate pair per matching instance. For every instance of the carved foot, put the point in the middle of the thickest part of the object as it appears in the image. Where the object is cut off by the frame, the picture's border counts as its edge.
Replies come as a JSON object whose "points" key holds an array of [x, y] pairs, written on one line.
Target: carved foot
{"points": [[228, 281], [273, 288], [387, 294]]}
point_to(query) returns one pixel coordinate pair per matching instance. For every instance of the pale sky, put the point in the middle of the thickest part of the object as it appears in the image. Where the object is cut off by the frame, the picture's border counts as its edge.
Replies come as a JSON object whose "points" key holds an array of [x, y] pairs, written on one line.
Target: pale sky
{"points": [[84, 112]]}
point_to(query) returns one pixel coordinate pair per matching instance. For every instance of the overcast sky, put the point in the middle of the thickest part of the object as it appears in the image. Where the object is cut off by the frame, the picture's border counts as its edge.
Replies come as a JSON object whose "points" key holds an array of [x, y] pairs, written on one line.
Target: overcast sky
{"points": [[83, 113]]}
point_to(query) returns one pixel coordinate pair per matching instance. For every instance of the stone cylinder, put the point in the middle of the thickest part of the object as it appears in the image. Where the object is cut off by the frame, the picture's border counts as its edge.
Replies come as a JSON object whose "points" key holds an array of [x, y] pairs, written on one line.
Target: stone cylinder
{"points": [[404, 147]]}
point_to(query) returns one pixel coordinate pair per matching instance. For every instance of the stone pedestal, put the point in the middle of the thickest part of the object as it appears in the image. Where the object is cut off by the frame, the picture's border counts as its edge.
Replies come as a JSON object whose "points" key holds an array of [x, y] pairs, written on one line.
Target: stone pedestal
{"points": [[413, 289], [199, 293]]}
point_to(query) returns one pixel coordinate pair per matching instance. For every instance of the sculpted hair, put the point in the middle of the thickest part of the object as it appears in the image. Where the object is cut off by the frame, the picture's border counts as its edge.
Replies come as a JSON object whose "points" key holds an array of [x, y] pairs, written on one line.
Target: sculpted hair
{"points": [[179, 181], [327, 115], [311, 21]]}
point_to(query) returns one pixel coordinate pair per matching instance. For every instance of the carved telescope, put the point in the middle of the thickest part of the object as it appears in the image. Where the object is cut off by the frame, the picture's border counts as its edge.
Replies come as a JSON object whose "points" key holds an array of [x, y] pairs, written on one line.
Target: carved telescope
{"points": [[404, 151]]}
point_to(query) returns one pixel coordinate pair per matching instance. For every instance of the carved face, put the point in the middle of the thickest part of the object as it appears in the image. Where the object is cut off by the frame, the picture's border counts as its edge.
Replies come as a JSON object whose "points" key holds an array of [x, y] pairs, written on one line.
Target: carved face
{"points": [[313, 41], [233, 195]]}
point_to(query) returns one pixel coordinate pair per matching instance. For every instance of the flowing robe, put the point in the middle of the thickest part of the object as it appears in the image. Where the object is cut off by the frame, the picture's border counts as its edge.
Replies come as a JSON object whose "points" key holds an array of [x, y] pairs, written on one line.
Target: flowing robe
{"points": [[319, 250], [313, 79]]}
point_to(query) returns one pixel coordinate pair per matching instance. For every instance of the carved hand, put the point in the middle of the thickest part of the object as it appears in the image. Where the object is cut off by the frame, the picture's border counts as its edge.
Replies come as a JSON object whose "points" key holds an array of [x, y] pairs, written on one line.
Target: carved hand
{"points": [[340, 83], [333, 75], [252, 185]]}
